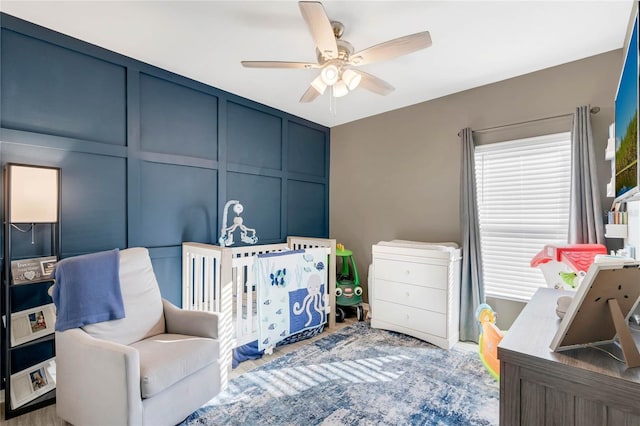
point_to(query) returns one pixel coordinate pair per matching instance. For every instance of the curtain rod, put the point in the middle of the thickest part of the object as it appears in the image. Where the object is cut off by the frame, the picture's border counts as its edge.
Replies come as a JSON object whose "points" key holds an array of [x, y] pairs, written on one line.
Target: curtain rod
{"points": [[593, 110]]}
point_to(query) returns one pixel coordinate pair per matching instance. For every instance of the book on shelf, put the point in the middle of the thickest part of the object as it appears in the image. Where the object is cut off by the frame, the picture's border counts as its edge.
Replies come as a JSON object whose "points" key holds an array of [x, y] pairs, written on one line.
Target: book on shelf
{"points": [[618, 214]]}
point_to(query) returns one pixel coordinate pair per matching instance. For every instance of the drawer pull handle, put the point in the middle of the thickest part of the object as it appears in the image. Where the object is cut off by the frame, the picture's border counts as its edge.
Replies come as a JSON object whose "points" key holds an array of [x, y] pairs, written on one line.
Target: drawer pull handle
{"points": [[408, 295], [407, 272]]}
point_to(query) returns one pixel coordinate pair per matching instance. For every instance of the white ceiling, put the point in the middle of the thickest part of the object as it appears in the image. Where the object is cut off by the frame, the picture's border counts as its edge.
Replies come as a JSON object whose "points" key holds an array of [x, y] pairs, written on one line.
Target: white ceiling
{"points": [[474, 43]]}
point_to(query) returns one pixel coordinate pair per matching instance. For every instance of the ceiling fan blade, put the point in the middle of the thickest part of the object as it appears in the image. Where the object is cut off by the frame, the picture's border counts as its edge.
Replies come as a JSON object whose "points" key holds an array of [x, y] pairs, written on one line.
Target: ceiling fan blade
{"points": [[309, 95], [320, 27], [278, 64], [392, 48], [374, 84]]}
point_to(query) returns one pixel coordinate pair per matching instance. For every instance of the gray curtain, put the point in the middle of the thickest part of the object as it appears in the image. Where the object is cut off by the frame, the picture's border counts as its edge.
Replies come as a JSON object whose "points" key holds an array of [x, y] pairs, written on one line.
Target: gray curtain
{"points": [[585, 215], [471, 286]]}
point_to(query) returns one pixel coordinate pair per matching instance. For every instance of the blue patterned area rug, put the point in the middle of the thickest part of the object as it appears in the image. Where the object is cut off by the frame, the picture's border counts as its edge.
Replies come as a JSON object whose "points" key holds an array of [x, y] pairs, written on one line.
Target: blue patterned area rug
{"points": [[360, 376]]}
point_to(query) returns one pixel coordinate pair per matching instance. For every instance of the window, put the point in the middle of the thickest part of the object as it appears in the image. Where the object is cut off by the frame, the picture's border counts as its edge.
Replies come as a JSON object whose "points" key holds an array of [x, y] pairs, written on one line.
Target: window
{"points": [[523, 203]]}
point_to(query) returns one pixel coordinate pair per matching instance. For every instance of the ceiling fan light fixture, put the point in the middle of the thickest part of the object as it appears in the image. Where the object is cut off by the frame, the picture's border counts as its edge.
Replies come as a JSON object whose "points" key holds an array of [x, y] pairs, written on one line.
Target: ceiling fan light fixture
{"points": [[351, 79], [319, 85], [330, 74], [338, 61], [340, 89]]}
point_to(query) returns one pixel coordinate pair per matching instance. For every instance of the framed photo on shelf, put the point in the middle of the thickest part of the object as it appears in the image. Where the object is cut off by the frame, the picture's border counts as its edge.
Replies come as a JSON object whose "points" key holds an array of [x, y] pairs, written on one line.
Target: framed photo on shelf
{"points": [[28, 384], [26, 271], [32, 324]]}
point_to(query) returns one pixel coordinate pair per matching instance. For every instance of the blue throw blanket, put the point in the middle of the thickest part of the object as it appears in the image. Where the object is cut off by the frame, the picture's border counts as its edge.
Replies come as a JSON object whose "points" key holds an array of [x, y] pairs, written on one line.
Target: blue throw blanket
{"points": [[87, 290]]}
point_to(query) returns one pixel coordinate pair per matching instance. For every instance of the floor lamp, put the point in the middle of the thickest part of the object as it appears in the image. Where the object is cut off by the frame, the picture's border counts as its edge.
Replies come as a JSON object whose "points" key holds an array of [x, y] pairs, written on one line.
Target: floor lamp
{"points": [[31, 197]]}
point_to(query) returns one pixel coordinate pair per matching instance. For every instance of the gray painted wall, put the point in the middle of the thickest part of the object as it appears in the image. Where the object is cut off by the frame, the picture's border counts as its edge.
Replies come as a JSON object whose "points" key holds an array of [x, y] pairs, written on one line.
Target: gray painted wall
{"points": [[397, 175]]}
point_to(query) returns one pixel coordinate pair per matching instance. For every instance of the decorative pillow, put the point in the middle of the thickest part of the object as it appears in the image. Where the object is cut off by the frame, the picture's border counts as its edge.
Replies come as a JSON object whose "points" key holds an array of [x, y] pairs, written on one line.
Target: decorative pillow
{"points": [[144, 315]]}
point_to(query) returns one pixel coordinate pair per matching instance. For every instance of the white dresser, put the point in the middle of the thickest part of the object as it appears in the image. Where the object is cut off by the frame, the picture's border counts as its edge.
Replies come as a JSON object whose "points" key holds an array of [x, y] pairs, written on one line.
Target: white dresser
{"points": [[415, 290]]}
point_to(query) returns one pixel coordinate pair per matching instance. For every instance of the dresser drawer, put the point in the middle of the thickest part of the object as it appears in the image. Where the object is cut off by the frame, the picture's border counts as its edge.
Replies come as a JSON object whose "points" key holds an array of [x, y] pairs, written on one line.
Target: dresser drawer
{"points": [[413, 318], [431, 299], [411, 273]]}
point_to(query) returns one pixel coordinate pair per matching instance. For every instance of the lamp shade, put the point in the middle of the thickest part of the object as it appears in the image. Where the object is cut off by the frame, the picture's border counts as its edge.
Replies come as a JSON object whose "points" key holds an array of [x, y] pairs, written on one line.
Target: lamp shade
{"points": [[319, 85], [351, 79], [340, 89], [330, 74], [33, 194]]}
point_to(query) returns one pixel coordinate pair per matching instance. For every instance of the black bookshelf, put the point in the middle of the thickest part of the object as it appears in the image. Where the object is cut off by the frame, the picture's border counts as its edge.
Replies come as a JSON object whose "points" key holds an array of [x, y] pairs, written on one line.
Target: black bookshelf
{"points": [[17, 357]]}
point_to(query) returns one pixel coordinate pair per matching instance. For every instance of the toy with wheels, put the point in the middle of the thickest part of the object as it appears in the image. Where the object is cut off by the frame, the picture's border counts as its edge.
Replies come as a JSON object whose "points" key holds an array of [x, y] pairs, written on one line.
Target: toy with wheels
{"points": [[348, 289], [490, 337]]}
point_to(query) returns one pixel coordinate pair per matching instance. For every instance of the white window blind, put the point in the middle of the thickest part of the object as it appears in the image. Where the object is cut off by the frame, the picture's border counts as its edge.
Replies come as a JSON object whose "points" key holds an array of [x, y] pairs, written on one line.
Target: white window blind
{"points": [[523, 203]]}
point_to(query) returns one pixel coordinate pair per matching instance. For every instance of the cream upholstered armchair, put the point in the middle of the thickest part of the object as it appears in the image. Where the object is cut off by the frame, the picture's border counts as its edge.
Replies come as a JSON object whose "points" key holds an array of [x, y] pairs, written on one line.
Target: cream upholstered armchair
{"points": [[155, 366]]}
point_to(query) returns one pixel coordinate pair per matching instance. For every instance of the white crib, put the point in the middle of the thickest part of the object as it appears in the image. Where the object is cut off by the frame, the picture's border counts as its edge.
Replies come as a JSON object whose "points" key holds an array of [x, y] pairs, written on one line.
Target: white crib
{"points": [[218, 279]]}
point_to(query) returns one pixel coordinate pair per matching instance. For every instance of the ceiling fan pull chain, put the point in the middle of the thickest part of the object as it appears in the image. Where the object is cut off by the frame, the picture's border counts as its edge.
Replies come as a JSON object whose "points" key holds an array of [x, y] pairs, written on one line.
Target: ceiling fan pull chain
{"points": [[332, 102]]}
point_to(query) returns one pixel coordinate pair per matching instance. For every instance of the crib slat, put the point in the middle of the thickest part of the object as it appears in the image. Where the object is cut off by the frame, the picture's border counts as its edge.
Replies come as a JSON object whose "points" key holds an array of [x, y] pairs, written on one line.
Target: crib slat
{"points": [[187, 278], [239, 303], [197, 290], [215, 285], [237, 287], [206, 283], [250, 302]]}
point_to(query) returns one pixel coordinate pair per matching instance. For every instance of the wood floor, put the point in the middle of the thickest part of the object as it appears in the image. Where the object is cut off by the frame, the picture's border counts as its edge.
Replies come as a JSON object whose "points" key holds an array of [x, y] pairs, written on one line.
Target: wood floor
{"points": [[47, 416]]}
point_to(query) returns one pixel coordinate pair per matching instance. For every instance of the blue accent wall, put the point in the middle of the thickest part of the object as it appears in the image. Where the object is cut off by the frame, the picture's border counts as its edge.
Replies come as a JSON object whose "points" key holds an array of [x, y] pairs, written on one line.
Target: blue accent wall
{"points": [[55, 90], [148, 157]]}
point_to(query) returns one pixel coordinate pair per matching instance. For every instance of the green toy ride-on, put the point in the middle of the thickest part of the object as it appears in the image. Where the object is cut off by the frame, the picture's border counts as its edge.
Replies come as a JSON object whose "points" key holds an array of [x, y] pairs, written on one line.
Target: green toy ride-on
{"points": [[348, 289]]}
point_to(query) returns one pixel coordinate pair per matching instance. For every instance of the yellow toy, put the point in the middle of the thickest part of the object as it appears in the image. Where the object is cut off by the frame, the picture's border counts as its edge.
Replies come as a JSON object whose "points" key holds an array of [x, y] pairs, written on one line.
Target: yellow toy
{"points": [[490, 337]]}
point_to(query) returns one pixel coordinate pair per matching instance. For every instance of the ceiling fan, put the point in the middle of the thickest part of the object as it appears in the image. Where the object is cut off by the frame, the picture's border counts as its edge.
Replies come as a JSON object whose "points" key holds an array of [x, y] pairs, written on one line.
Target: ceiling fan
{"points": [[337, 59]]}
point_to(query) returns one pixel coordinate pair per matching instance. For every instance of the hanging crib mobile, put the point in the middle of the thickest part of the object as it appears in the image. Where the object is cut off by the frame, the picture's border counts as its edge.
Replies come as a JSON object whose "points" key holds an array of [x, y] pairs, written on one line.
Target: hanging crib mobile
{"points": [[247, 235]]}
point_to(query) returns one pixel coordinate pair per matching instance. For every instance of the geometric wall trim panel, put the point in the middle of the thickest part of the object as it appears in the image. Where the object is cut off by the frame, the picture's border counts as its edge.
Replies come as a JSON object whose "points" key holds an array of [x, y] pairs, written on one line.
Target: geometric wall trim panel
{"points": [[258, 145], [178, 203], [261, 197], [305, 209], [176, 119], [52, 90], [307, 150]]}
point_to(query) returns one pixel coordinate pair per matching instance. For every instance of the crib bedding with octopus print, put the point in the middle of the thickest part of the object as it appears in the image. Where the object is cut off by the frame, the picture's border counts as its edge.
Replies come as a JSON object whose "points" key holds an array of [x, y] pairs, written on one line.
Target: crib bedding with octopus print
{"points": [[291, 287], [222, 279]]}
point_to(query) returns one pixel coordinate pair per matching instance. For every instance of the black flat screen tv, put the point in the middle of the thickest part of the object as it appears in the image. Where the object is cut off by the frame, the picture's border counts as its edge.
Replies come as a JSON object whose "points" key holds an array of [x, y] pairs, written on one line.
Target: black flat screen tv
{"points": [[626, 119]]}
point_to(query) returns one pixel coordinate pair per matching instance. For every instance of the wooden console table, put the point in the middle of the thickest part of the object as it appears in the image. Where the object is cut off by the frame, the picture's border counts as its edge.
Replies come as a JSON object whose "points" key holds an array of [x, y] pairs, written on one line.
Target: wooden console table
{"points": [[579, 387]]}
